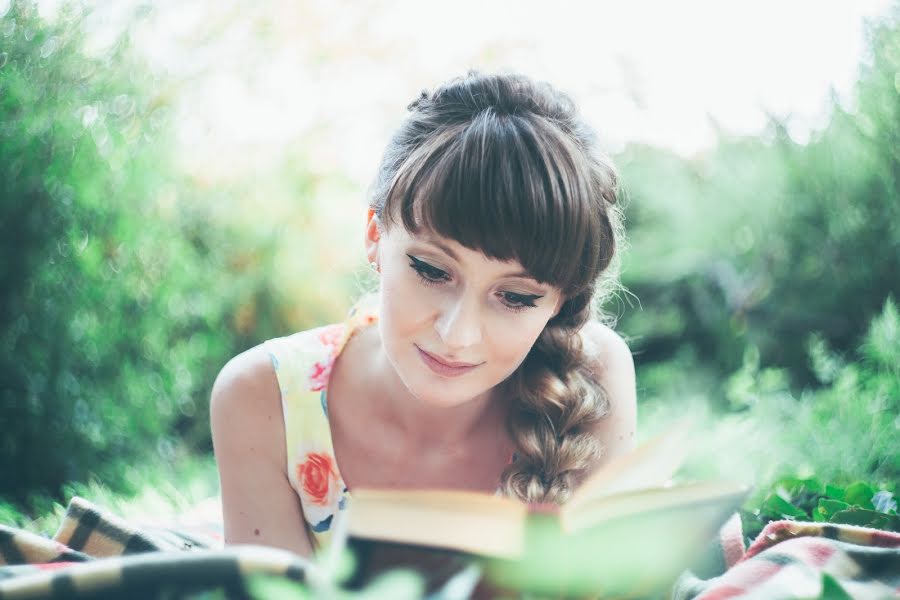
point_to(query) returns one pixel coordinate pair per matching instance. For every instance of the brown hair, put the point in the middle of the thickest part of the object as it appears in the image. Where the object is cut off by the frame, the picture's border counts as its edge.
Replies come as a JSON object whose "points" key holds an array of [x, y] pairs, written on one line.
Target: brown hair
{"points": [[507, 166]]}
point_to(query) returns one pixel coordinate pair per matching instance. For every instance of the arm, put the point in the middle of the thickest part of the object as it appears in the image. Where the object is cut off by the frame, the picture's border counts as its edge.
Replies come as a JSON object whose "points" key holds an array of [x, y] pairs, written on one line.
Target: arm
{"points": [[259, 506], [613, 368]]}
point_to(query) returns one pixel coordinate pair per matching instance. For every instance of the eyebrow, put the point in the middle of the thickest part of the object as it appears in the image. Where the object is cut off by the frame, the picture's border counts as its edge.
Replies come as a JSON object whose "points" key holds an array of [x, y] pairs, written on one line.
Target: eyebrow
{"points": [[434, 242]]}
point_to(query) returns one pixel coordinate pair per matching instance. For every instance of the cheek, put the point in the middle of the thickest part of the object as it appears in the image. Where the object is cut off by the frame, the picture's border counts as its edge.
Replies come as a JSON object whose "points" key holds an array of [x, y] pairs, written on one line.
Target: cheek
{"points": [[405, 306], [510, 343]]}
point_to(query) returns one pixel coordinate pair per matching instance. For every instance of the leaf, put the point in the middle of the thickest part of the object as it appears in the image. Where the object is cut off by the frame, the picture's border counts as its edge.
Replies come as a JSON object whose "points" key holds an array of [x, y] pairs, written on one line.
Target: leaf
{"points": [[883, 339], [860, 494], [834, 492], [397, 584], [827, 508], [832, 590], [462, 585], [884, 502], [776, 505], [819, 516], [797, 487], [272, 586], [867, 518]]}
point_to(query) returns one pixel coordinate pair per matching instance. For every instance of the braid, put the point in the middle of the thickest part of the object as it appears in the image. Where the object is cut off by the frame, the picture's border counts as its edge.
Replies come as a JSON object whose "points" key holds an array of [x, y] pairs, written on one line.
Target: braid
{"points": [[555, 399]]}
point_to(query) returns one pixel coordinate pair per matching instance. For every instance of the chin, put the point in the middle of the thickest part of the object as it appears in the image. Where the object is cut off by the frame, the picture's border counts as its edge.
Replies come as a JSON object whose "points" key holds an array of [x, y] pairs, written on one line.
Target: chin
{"points": [[433, 390], [428, 393]]}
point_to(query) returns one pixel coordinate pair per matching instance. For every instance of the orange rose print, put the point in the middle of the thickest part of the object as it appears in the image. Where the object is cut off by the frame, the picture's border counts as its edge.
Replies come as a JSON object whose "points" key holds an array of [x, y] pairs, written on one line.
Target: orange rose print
{"points": [[321, 488], [316, 475]]}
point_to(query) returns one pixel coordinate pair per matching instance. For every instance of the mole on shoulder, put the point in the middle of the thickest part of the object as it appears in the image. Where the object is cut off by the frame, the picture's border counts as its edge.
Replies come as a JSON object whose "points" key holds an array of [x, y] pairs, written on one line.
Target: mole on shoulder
{"points": [[256, 532]]}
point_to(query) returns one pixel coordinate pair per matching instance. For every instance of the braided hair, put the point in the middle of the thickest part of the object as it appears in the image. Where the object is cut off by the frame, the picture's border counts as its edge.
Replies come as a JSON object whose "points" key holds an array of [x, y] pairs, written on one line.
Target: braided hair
{"points": [[507, 166]]}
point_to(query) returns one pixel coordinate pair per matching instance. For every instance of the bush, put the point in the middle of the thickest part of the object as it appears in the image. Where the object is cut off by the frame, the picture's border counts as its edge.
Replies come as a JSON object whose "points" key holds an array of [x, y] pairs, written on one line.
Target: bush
{"points": [[840, 433], [826, 441], [765, 240], [119, 302], [849, 428]]}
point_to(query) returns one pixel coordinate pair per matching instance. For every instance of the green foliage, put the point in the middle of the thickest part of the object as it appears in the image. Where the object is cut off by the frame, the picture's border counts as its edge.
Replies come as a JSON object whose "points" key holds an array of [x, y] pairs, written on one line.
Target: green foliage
{"points": [[800, 448], [808, 453], [763, 241], [848, 429], [399, 584], [811, 499], [841, 432], [119, 305], [832, 590], [776, 262], [325, 580], [277, 588]]}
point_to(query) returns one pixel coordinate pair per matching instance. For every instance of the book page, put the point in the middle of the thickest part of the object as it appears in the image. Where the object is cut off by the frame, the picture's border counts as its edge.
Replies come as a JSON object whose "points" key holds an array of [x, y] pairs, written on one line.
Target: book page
{"points": [[467, 521], [697, 497], [650, 465], [626, 545]]}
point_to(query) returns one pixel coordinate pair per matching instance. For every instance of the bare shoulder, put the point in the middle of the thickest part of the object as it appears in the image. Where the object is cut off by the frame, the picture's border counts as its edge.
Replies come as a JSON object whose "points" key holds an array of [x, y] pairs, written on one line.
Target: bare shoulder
{"points": [[607, 350], [613, 367], [245, 398], [258, 504], [252, 367]]}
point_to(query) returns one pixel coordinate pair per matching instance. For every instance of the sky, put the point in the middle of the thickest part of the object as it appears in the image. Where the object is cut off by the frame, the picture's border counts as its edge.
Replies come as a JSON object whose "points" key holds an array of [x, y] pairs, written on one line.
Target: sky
{"points": [[337, 75], [657, 71]]}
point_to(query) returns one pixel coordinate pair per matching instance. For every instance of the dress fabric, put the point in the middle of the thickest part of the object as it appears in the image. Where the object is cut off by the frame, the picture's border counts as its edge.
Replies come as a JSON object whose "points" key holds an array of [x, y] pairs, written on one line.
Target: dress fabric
{"points": [[302, 364]]}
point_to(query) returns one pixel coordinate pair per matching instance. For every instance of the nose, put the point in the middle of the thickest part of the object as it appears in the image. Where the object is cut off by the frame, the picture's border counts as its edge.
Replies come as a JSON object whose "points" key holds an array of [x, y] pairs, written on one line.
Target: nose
{"points": [[458, 324]]}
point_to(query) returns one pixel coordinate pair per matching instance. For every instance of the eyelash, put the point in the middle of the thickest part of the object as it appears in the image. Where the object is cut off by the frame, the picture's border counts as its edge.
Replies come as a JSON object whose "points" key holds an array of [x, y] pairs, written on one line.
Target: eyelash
{"points": [[430, 275]]}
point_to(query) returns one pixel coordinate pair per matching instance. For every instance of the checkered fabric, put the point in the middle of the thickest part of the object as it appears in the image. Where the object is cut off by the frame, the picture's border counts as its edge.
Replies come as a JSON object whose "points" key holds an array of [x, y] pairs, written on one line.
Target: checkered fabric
{"points": [[98, 555], [95, 554], [792, 559]]}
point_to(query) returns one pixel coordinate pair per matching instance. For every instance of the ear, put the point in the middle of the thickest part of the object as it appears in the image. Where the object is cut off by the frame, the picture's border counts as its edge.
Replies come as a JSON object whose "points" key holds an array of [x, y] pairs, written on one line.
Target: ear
{"points": [[559, 305], [373, 236]]}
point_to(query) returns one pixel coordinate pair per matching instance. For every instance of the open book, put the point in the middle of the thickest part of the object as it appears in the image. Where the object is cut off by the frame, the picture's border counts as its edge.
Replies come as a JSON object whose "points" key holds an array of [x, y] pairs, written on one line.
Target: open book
{"points": [[626, 528]]}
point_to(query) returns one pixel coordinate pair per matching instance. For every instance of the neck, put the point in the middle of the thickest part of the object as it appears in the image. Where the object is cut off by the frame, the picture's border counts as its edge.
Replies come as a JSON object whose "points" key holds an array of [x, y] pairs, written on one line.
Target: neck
{"points": [[426, 427]]}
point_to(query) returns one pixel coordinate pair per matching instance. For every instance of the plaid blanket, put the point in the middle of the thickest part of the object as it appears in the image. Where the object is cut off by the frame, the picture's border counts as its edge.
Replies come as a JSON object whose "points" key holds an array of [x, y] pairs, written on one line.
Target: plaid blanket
{"points": [[95, 554], [793, 559]]}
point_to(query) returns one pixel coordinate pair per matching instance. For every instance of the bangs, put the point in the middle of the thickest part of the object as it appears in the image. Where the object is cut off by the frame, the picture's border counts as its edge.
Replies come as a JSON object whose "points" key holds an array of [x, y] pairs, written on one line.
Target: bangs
{"points": [[499, 185]]}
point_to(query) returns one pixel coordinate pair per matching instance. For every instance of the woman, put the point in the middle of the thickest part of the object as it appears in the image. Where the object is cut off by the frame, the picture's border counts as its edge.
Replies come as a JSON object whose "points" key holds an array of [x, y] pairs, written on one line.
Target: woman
{"points": [[492, 228]]}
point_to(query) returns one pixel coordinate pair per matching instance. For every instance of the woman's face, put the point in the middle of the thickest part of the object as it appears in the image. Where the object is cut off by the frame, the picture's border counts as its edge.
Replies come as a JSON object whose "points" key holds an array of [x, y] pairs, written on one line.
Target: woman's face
{"points": [[454, 323]]}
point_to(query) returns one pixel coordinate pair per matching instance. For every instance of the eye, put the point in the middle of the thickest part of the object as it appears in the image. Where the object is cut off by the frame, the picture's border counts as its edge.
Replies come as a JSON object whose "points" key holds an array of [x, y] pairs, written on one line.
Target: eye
{"points": [[518, 302], [428, 273]]}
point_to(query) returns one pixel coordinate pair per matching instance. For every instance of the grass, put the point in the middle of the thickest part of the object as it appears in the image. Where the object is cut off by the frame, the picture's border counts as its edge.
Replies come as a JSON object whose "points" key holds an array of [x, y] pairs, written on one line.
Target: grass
{"points": [[164, 493]]}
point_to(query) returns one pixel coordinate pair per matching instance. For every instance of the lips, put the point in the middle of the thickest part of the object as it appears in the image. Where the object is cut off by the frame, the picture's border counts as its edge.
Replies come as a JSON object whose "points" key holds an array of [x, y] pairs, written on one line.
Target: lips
{"points": [[443, 367]]}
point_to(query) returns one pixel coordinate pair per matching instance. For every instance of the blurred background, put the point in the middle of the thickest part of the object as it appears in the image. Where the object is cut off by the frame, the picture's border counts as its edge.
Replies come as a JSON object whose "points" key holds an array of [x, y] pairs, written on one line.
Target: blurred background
{"points": [[180, 181]]}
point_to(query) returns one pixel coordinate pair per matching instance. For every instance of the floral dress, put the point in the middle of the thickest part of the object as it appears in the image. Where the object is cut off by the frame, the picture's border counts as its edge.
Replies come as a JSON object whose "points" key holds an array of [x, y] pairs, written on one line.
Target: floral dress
{"points": [[302, 364]]}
